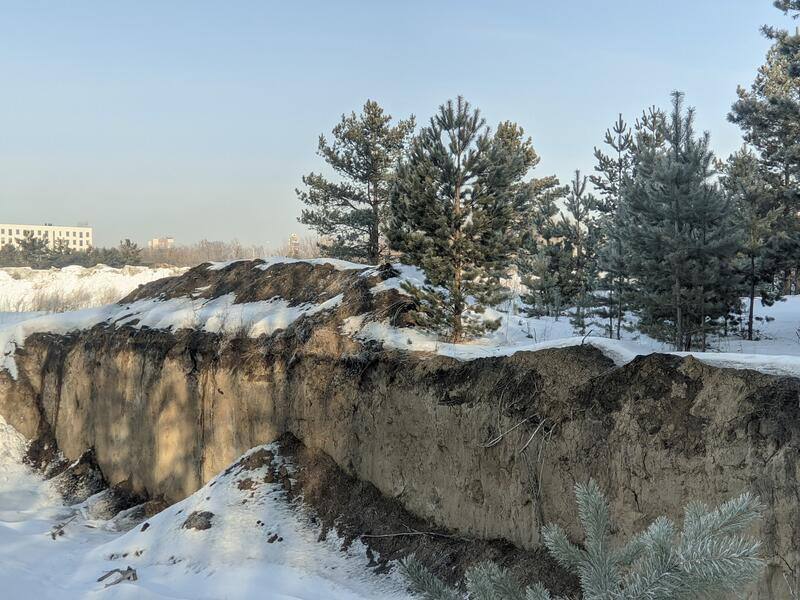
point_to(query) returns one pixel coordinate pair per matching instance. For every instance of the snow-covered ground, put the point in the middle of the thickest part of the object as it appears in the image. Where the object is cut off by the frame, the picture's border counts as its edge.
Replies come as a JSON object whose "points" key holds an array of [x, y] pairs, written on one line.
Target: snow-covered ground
{"points": [[218, 315], [233, 559], [776, 351], [56, 290]]}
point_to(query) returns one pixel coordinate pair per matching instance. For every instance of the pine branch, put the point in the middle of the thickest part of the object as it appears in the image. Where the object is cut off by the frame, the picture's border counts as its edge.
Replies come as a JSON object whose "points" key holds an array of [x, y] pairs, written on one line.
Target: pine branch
{"points": [[424, 583]]}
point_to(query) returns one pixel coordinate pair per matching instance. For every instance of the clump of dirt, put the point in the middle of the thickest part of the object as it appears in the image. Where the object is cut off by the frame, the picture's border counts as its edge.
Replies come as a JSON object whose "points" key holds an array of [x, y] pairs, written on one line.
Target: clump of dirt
{"points": [[355, 509], [80, 480], [117, 498], [200, 520]]}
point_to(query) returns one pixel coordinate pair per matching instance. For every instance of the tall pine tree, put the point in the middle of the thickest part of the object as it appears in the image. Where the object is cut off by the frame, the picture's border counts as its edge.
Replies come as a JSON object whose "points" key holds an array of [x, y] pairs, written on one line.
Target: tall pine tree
{"points": [[678, 235], [769, 115], [578, 228], [757, 219], [350, 214], [611, 171], [455, 214], [542, 253]]}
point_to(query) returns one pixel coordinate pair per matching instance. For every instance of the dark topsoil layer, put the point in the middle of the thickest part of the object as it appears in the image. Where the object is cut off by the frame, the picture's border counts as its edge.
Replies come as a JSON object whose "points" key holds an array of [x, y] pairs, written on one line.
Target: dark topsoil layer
{"points": [[357, 510]]}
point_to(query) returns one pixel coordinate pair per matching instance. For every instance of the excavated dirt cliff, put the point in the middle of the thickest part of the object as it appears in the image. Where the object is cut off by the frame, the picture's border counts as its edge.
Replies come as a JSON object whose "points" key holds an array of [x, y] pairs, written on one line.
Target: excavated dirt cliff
{"points": [[488, 448]]}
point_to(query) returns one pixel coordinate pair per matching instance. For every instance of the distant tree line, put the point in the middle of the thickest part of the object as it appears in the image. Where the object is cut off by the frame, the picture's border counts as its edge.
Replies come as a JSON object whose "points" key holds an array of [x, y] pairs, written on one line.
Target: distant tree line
{"points": [[36, 253], [670, 233]]}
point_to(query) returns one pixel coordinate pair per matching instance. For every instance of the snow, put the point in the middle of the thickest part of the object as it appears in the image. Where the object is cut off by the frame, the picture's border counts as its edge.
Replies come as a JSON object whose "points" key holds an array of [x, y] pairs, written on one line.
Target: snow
{"points": [[217, 315], [339, 265], [71, 288], [231, 560], [776, 351]]}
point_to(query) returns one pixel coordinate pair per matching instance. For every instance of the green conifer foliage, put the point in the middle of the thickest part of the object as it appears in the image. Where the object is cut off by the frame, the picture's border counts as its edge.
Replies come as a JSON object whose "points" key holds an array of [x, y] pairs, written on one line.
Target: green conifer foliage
{"points": [[709, 557], [456, 212], [578, 229], [349, 214], [541, 251], [758, 221], [611, 172], [679, 237], [769, 115]]}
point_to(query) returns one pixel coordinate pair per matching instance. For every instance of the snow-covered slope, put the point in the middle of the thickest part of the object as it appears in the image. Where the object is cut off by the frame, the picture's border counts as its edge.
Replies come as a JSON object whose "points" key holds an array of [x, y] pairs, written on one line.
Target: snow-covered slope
{"points": [[777, 350], [257, 546], [71, 288], [218, 315]]}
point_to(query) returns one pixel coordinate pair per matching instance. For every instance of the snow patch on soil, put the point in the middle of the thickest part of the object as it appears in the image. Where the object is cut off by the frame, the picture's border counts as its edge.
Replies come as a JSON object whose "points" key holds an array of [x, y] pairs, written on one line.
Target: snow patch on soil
{"points": [[217, 315], [339, 265]]}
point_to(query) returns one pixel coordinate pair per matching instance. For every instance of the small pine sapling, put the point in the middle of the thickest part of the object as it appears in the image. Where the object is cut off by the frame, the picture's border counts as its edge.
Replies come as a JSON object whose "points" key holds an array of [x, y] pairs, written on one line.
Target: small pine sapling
{"points": [[708, 558]]}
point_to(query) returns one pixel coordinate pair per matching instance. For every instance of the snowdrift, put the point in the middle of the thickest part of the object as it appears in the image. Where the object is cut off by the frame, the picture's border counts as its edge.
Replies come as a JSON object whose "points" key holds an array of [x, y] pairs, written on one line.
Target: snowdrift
{"points": [[237, 537]]}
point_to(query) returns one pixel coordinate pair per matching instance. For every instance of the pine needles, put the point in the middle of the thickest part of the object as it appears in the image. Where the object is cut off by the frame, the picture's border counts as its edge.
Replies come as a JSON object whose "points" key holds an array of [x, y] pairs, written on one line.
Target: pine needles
{"points": [[710, 557]]}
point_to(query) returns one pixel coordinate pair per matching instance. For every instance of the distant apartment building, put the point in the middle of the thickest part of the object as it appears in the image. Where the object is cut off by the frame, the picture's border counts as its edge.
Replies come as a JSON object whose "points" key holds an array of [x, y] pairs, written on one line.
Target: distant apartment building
{"points": [[75, 238], [164, 243]]}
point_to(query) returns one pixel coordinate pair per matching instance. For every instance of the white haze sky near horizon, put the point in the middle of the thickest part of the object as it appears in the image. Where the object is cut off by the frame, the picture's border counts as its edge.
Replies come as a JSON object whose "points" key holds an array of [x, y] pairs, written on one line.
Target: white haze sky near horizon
{"points": [[197, 119]]}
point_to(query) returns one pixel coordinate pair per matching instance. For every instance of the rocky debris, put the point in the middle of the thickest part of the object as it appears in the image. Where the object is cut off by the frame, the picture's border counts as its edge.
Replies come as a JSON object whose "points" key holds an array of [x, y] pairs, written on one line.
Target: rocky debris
{"points": [[116, 499], [200, 520], [80, 480]]}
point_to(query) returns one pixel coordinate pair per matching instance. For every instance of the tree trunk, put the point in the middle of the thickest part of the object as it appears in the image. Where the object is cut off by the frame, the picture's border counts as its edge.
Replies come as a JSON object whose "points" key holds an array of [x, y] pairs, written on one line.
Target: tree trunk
{"points": [[752, 297], [620, 313], [457, 299], [375, 231]]}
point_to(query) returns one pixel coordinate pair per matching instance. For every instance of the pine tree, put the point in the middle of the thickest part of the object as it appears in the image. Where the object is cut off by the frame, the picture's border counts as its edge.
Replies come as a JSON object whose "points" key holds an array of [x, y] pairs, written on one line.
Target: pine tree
{"points": [[350, 214], [579, 234], [130, 253], [34, 250], [541, 253], [769, 115], [710, 557], [757, 219], [678, 236], [788, 45], [455, 214], [611, 173]]}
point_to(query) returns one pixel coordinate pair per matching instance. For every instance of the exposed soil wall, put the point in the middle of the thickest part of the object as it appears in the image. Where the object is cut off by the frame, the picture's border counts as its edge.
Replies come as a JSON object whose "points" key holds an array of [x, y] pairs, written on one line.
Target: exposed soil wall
{"points": [[165, 412]]}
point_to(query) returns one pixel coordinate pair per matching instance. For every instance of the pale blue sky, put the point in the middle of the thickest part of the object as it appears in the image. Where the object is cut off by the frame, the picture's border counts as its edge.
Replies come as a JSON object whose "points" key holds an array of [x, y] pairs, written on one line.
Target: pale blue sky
{"points": [[197, 119]]}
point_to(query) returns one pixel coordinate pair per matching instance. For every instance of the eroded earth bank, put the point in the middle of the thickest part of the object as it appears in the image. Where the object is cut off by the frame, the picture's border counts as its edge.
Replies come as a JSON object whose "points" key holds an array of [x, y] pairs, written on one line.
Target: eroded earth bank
{"points": [[482, 450]]}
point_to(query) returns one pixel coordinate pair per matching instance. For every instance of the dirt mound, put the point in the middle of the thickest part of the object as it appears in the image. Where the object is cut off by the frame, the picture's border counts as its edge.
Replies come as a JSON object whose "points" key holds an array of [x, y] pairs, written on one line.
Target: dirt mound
{"points": [[251, 281]]}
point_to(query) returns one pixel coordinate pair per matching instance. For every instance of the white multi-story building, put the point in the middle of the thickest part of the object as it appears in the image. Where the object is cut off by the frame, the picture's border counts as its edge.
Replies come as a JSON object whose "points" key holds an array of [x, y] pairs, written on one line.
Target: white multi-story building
{"points": [[74, 238], [164, 243]]}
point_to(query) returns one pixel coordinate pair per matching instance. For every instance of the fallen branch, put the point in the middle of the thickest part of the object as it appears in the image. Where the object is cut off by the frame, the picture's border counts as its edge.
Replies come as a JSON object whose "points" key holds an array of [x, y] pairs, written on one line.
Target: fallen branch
{"points": [[412, 532], [128, 574], [58, 529]]}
